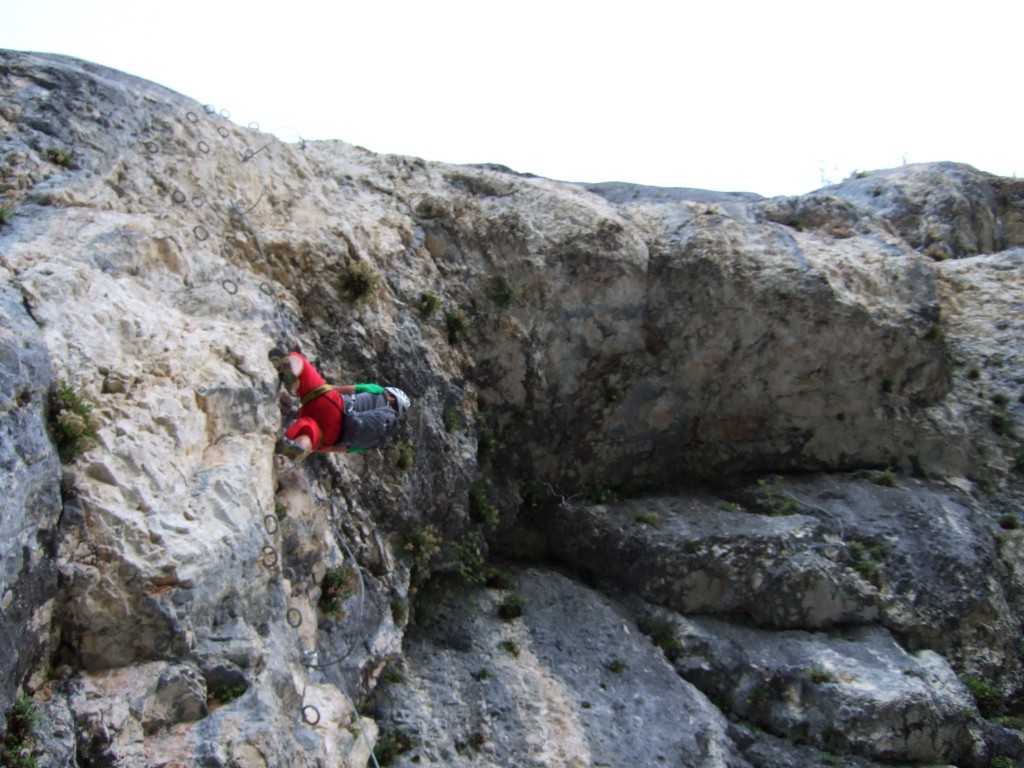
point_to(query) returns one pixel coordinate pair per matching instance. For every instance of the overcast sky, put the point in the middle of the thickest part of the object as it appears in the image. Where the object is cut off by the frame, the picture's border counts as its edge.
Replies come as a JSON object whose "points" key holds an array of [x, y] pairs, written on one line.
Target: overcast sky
{"points": [[769, 97]]}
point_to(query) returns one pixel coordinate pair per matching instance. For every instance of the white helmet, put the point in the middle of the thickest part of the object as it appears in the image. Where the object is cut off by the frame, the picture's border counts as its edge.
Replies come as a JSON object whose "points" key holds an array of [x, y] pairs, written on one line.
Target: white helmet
{"points": [[401, 400]]}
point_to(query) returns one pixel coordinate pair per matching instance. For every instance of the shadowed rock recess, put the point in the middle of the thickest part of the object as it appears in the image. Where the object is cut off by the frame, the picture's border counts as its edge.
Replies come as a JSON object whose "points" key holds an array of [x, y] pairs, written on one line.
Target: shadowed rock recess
{"points": [[690, 478]]}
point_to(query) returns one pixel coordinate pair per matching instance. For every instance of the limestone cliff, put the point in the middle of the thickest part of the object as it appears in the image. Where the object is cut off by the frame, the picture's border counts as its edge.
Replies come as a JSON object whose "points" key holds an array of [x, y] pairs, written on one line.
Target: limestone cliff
{"points": [[690, 478]]}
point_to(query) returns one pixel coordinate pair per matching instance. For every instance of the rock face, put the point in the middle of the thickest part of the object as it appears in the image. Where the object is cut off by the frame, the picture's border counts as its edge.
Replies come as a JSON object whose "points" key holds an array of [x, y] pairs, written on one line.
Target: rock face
{"points": [[757, 461]]}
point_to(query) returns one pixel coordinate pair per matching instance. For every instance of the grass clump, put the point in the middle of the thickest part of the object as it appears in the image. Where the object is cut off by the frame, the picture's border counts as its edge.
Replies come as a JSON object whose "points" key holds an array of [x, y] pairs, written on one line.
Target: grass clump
{"points": [[429, 304], [985, 693], [6, 214], [664, 633], [885, 477], [358, 283], [511, 607], [617, 666], [773, 499], [451, 418], [486, 441], [647, 518], [500, 291], [481, 509], [393, 744], [1009, 521], [866, 559], [58, 156], [337, 586], [406, 456], [456, 325], [71, 421], [511, 647], [226, 692], [22, 720]]}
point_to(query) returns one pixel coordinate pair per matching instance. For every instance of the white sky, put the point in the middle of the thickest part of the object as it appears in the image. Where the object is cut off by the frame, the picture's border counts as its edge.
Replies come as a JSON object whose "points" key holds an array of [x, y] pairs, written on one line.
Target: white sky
{"points": [[775, 97]]}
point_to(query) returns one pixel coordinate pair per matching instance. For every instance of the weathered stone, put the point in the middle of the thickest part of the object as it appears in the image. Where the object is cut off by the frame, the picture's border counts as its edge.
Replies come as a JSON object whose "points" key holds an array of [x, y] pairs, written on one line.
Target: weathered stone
{"points": [[29, 495], [560, 342], [852, 691], [571, 682]]}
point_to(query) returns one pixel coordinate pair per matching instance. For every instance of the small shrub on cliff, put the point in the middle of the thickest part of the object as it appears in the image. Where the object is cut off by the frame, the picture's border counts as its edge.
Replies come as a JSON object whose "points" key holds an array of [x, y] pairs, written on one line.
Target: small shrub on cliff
{"points": [[358, 283], [664, 633], [500, 291], [6, 214], [885, 477], [22, 720], [71, 422], [393, 744], [58, 156], [452, 419], [985, 692], [486, 441], [481, 509], [457, 326], [866, 559], [773, 498], [511, 647], [429, 304], [337, 586], [511, 607], [406, 456]]}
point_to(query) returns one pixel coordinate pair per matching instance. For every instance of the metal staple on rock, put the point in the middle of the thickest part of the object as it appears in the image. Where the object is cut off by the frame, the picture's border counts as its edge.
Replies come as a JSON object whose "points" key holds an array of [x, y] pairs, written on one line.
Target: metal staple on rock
{"points": [[298, 620], [270, 523], [229, 285], [269, 557]]}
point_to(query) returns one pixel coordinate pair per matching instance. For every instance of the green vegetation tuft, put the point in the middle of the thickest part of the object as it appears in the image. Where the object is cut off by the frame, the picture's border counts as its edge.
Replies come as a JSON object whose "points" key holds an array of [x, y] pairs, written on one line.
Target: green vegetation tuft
{"points": [[866, 559], [617, 666], [71, 422], [451, 418], [406, 456], [511, 606], [58, 156], [1009, 521], [22, 721], [486, 441], [358, 284], [481, 509], [664, 633], [985, 693], [226, 692], [456, 325], [773, 499], [495, 578], [338, 585], [885, 477], [392, 744], [511, 647], [429, 304], [500, 291]]}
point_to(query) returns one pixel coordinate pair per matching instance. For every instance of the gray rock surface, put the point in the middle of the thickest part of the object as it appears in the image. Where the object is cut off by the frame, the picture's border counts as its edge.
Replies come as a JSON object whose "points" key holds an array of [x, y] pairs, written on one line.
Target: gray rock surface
{"points": [[809, 412], [29, 495]]}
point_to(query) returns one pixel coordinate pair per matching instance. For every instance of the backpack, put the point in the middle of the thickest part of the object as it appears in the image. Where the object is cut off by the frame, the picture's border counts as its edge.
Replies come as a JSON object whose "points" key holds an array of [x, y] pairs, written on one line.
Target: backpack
{"points": [[367, 422]]}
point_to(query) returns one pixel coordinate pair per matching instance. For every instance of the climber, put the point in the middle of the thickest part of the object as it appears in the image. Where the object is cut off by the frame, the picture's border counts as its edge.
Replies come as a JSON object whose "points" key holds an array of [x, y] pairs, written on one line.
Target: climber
{"points": [[346, 419]]}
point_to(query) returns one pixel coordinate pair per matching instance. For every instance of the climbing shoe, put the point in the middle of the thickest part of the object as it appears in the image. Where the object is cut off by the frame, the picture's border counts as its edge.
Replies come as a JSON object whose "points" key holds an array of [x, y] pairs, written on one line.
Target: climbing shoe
{"points": [[291, 449], [280, 360]]}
